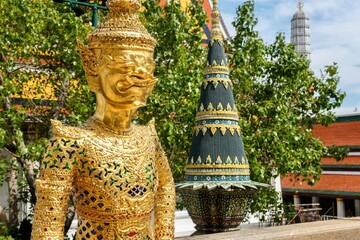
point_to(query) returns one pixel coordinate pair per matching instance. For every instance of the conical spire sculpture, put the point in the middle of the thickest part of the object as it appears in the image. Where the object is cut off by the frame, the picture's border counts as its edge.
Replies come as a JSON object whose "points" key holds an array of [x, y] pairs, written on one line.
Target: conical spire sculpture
{"points": [[217, 162], [217, 151]]}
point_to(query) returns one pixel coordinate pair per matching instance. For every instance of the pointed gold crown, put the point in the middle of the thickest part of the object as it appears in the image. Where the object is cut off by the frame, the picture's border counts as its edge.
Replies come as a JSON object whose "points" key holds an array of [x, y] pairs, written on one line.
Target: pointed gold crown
{"points": [[121, 30]]}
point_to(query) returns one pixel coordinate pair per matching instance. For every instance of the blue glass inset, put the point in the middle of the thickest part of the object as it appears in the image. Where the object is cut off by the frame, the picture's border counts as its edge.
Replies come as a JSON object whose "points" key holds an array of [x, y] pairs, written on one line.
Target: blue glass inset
{"points": [[216, 75], [217, 121]]}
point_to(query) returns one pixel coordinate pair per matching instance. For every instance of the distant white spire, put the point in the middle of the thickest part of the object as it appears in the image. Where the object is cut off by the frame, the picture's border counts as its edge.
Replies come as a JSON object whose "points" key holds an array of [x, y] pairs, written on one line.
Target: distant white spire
{"points": [[300, 31], [300, 4]]}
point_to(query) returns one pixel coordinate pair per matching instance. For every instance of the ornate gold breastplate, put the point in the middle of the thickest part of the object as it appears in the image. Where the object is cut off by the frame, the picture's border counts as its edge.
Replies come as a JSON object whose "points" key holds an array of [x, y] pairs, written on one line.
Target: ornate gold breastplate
{"points": [[115, 182]]}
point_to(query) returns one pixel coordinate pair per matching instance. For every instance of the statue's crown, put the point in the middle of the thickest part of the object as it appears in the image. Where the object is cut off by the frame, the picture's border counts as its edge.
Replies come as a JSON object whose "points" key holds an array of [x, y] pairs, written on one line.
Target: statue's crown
{"points": [[122, 28]]}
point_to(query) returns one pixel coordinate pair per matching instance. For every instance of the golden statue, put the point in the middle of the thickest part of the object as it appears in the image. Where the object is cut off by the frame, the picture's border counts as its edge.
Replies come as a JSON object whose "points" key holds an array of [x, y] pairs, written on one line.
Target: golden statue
{"points": [[117, 171]]}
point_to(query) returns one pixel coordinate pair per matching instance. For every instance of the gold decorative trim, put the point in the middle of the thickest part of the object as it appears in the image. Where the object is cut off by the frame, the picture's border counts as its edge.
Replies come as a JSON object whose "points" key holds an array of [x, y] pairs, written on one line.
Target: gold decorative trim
{"points": [[219, 108], [217, 79], [214, 116], [214, 127], [220, 166], [214, 63], [216, 69], [218, 114], [225, 82]]}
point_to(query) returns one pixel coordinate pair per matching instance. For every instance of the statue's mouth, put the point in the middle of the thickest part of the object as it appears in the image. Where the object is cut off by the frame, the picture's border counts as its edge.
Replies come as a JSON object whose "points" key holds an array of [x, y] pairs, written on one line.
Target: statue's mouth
{"points": [[135, 80]]}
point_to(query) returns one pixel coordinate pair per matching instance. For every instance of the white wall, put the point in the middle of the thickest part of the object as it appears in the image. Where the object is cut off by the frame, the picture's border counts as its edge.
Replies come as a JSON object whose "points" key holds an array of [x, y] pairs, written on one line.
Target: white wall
{"points": [[4, 197]]}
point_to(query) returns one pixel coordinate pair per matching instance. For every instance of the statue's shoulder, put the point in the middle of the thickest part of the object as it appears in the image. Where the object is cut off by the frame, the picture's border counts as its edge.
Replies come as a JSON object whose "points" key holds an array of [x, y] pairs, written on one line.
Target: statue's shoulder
{"points": [[151, 126], [61, 130]]}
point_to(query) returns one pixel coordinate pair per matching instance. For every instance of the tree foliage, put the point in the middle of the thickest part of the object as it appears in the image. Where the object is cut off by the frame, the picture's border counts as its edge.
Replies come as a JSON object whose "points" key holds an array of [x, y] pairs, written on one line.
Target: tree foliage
{"points": [[40, 78], [179, 58], [279, 97]]}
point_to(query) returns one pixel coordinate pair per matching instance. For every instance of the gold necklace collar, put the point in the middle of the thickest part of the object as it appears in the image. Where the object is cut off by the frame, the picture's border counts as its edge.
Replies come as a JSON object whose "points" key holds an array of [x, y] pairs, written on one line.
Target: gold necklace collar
{"points": [[94, 121]]}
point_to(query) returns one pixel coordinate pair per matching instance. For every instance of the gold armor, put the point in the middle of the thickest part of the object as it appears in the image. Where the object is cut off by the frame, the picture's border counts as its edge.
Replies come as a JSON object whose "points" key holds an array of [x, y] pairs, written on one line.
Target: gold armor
{"points": [[118, 174]]}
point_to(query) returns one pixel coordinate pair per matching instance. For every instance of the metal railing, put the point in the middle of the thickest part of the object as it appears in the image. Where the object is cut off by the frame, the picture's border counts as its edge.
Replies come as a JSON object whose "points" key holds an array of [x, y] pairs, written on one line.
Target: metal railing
{"points": [[94, 8], [306, 213]]}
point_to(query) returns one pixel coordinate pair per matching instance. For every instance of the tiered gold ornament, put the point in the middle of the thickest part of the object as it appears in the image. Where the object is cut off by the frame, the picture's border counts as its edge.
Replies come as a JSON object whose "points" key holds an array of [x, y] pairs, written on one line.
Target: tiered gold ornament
{"points": [[117, 171]]}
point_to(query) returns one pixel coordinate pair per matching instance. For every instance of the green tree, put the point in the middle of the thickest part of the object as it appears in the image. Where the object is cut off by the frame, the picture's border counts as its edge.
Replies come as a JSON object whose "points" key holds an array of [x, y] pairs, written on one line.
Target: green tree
{"points": [[180, 59], [39, 62], [279, 98]]}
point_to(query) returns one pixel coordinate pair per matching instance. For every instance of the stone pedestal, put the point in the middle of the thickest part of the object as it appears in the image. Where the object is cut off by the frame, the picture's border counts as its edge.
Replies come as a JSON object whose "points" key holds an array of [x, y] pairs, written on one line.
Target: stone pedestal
{"points": [[217, 210]]}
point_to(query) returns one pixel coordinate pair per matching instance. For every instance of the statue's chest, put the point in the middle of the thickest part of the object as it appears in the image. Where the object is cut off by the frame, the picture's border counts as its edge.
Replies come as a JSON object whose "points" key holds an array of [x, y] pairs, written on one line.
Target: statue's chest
{"points": [[120, 166]]}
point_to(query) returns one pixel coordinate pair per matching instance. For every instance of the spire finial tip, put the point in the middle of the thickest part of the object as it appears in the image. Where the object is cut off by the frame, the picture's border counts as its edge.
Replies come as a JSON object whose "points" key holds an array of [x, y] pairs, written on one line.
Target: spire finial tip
{"points": [[215, 31], [300, 4]]}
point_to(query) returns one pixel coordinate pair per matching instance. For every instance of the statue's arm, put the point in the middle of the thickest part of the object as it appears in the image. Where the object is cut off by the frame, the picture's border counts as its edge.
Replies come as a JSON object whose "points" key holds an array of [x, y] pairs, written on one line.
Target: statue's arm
{"points": [[165, 199], [53, 188]]}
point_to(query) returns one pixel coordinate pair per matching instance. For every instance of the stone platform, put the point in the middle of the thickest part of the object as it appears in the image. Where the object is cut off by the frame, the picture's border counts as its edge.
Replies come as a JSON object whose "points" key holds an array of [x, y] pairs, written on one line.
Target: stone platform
{"points": [[343, 229]]}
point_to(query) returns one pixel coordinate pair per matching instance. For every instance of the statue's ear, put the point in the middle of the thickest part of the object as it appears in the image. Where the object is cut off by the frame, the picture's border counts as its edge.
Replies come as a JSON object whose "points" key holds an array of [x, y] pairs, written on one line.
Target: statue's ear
{"points": [[89, 59], [90, 65]]}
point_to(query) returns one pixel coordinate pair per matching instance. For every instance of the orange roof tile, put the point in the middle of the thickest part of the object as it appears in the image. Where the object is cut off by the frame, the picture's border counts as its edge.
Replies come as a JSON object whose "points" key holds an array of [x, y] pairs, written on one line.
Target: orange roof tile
{"points": [[339, 133], [208, 10], [328, 182], [162, 2]]}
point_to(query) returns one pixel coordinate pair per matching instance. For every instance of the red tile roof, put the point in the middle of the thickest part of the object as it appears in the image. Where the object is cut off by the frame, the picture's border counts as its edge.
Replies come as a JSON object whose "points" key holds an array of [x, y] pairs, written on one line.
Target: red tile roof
{"points": [[328, 183], [339, 133], [162, 2], [207, 8]]}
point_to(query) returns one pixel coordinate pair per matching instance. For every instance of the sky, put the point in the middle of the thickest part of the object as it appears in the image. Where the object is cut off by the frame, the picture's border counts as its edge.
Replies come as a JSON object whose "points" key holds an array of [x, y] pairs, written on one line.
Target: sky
{"points": [[335, 36]]}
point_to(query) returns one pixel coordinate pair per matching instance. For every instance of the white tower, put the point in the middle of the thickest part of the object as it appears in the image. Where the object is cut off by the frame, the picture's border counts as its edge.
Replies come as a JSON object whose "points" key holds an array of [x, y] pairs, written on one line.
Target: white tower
{"points": [[300, 31]]}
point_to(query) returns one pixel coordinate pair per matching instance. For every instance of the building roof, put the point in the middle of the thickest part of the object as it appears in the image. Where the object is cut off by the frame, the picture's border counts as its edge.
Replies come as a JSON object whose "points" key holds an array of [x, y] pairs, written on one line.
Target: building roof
{"points": [[207, 6], [329, 184], [344, 132], [301, 14], [339, 133]]}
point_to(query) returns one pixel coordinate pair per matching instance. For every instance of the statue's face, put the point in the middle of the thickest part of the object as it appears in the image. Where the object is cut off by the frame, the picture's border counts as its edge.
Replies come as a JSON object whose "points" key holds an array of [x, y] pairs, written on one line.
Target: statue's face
{"points": [[126, 78]]}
